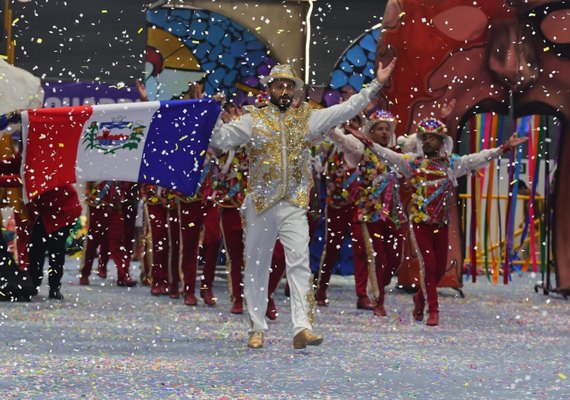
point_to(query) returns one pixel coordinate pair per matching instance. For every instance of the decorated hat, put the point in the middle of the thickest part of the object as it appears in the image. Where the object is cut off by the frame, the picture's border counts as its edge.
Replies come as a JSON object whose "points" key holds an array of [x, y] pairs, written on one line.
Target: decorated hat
{"points": [[437, 127], [282, 71], [432, 125], [383, 116]]}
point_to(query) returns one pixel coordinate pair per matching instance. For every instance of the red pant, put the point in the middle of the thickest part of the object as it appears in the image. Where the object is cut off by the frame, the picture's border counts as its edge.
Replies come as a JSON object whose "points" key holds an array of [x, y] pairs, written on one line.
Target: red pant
{"points": [[360, 259], [337, 222], [232, 232], [192, 217], [158, 223], [211, 244], [103, 254], [174, 253], [313, 223], [105, 224], [386, 250], [129, 216], [432, 243]]}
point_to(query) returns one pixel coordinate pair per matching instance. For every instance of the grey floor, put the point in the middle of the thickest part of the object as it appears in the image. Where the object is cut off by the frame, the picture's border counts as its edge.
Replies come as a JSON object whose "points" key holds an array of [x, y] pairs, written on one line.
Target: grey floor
{"points": [[106, 342]]}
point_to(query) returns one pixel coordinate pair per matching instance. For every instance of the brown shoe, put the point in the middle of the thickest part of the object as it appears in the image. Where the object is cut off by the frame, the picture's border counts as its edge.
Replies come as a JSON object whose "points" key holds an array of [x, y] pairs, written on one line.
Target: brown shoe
{"points": [[364, 303], [379, 311], [237, 307], [84, 281], [271, 311], [190, 299], [433, 318], [255, 340], [418, 312], [306, 338], [208, 297], [145, 280]]}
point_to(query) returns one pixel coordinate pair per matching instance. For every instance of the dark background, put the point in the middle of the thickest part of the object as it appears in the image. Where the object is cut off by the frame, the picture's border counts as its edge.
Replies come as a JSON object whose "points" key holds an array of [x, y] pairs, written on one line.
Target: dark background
{"points": [[102, 40]]}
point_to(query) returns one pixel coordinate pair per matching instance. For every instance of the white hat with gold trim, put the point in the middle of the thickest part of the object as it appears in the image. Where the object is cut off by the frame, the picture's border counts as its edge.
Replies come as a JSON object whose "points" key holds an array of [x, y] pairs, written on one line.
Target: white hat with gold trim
{"points": [[282, 71]]}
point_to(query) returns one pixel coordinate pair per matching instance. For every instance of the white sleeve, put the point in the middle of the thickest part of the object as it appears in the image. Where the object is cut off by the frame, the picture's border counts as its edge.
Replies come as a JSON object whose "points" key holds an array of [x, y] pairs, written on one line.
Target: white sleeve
{"points": [[352, 148], [322, 120], [463, 165], [233, 134], [396, 161]]}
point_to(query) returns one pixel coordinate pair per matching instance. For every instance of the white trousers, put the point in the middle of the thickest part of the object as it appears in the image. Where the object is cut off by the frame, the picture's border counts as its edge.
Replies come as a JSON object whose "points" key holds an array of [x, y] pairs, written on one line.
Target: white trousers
{"points": [[289, 223]]}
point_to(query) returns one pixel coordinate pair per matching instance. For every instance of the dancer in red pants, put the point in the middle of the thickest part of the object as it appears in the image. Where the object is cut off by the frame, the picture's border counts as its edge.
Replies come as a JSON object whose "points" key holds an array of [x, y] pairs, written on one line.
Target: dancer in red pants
{"points": [[342, 190], [380, 210], [433, 173], [161, 210], [129, 201], [197, 212], [229, 181], [106, 230]]}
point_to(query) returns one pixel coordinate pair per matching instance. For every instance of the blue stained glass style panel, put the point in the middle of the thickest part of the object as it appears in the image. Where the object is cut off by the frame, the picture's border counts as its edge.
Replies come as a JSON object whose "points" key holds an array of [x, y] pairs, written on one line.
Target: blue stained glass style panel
{"points": [[354, 68], [228, 52]]}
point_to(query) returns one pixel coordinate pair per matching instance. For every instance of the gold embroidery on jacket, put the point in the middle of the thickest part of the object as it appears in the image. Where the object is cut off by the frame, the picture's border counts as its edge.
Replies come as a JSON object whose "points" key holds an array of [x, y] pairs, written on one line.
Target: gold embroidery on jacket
{"points": [[279, 153]]}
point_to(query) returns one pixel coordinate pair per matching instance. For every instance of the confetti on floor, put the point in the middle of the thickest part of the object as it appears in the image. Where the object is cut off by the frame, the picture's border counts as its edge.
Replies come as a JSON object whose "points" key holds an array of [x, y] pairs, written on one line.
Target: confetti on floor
{"points": [[104, 341]]}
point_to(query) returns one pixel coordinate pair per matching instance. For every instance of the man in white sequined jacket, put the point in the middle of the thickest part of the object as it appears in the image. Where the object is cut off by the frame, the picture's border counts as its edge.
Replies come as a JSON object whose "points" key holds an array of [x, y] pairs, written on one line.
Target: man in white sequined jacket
{"points": [[278, 140]]}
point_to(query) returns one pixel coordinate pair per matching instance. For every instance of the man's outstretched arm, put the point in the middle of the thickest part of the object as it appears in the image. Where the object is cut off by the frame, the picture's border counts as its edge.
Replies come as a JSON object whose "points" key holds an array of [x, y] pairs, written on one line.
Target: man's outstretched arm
{"points": [[469, 162], [352, 147], [396, 161], [233, 134]]}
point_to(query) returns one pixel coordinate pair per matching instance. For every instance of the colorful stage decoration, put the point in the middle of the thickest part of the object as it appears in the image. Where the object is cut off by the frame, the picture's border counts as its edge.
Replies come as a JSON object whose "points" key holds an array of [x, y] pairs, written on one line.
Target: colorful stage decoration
{"points": [[354, 69], [497, 57], [186, 45], [503, 211]]}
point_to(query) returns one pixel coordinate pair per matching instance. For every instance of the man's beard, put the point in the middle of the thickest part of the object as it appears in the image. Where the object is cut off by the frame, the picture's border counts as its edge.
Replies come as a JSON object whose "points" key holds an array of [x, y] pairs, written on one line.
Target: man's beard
{"points": [[282, 102], [429, 150]]}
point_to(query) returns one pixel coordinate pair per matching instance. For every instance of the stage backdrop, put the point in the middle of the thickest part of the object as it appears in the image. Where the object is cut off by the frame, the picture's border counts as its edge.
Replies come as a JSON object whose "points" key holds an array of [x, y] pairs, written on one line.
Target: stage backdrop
{"points": [[491, 56], [186, 46]]}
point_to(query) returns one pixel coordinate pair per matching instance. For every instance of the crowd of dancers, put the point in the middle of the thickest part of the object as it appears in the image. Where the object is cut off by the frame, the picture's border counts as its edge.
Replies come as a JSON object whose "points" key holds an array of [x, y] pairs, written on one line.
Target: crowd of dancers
{"points": [[273, 169]]}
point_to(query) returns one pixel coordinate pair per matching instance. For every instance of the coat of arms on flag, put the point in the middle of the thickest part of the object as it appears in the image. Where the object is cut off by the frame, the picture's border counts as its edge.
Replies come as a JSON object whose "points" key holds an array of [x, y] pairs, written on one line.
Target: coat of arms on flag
{"points": [[114, 135]]}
